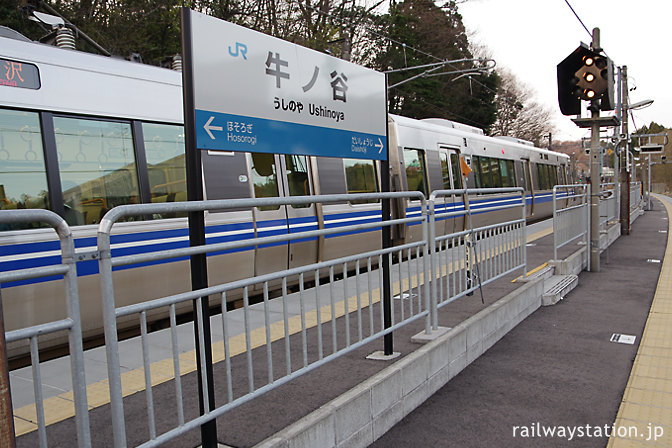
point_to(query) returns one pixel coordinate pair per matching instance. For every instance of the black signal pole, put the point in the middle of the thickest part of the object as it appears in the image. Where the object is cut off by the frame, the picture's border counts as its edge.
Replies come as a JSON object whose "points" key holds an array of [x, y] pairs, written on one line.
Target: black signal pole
{"points": [[595, 180], [625, 149]]}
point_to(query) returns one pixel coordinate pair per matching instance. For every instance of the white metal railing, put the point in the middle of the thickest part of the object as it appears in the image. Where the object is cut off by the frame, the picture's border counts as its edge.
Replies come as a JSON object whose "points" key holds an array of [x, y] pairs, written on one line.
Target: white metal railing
{"points": [[369, 284], [608, 205], [71, 324], [344, 305], [571, 209], [635, 196], [464, 261]]}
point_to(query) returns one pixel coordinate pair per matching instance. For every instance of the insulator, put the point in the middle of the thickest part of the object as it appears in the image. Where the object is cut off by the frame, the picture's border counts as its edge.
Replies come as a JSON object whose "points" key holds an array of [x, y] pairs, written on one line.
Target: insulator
{"points": [[65, 38], [177, 63]]}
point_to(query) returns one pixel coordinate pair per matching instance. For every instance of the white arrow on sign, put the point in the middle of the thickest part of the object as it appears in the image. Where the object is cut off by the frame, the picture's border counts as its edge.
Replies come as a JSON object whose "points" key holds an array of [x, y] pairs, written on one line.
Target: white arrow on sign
{"points": [[379, 146], [209, 128]]}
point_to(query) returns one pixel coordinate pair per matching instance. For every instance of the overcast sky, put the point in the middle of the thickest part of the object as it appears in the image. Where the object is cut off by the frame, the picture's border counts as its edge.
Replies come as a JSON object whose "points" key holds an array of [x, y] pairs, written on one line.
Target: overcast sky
{"points": [[530, 38]]}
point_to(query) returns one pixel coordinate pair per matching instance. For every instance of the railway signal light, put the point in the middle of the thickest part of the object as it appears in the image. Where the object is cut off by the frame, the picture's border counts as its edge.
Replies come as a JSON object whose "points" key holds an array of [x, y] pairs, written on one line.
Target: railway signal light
{"points": [[585, 75]]}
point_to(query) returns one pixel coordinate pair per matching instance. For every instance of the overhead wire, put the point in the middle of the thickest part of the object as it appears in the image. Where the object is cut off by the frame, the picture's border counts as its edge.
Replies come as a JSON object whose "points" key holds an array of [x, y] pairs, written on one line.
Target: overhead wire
{"points": [[403, 45], [579, 19]]}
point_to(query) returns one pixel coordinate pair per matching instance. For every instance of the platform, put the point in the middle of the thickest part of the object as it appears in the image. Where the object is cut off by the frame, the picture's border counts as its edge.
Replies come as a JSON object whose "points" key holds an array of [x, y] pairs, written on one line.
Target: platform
{"points": [[260, 421], [565, 376]]}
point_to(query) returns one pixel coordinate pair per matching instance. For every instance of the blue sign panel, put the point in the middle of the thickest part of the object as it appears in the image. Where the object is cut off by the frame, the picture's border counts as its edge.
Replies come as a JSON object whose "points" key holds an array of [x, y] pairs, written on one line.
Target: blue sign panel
{"points": [[226, 132]]}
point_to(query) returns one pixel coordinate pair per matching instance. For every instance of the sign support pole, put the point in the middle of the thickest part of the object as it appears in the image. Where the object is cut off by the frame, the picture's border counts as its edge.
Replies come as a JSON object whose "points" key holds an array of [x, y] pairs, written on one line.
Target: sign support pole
{"points": [[387, 239], [198, 263]]}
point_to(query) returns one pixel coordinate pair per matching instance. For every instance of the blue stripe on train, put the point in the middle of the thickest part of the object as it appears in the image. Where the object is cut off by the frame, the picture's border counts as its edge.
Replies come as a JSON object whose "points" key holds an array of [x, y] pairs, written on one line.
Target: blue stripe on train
{"points": [[362, 217], [264, 228]]}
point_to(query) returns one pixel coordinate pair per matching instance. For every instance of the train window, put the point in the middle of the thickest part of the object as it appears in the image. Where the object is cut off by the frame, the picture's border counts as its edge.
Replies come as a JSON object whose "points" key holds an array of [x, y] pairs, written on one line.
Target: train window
{"points": [[526, 174], [553, 175], [297, 177], [264, 177], [97, 166], [445, 171], [415, 170], [486, 180], [164, 147], [495, 173], [476, 168], [226, 175], [542, 176], [457, 172], [23, 178], [507, 173], [548, 176], [360, 177], [331, 175]]}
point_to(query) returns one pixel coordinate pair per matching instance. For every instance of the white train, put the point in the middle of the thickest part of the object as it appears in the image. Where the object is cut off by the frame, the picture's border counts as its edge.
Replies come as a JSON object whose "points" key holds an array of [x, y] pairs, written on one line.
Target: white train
{"points": [[81, 133]]}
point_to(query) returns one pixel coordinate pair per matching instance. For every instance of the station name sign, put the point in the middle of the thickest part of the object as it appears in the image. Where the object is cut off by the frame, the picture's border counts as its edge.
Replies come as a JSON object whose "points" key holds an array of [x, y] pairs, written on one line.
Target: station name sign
{"points": [[253, 92]]}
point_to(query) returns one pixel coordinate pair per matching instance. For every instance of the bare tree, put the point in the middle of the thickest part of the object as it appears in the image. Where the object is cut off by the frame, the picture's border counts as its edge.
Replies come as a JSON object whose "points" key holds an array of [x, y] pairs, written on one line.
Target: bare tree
{"points": [[518, 113]]}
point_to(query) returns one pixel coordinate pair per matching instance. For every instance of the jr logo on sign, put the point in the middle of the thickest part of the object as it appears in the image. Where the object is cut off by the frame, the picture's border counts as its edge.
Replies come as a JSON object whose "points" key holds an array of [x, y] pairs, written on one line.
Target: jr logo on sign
{"points": [[241, 50]]}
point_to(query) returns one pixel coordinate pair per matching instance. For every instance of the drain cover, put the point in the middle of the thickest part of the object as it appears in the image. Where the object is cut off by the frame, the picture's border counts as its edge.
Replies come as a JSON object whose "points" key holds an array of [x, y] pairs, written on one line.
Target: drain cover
{"points": [[623, 338]]}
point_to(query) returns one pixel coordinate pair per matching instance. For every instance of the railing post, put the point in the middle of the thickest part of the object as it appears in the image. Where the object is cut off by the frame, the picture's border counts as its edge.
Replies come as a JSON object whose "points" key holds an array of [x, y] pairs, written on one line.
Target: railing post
{"points": [[73, 326], [586, 228], [111, 341], [430, 241], [524, 218], [75, 337], [6, 413], [555, 223]]}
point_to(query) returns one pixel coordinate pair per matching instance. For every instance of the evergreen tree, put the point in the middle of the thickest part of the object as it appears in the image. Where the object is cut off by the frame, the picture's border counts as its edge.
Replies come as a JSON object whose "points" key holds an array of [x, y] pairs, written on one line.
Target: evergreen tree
{"points": [[437, 32], [652, 128]]}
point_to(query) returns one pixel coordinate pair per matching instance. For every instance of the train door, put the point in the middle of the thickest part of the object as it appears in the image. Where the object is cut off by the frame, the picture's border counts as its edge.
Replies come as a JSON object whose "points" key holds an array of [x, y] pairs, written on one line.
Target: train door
{"points": [[452, 180], [301, 217], [271, 220], [416, 180], [529, 191], [277, 176]]}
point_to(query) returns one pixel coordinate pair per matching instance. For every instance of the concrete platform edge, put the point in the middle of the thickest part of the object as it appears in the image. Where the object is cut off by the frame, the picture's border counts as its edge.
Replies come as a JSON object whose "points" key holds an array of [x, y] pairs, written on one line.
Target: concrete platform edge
{"points": [[364, 413]]}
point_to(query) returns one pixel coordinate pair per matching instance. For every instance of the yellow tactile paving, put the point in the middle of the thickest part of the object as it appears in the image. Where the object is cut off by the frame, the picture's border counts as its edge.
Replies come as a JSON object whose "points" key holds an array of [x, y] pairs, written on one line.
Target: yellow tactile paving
{"points": [[655, 360], [648, 370], [650, 397], [646, 383], [647, 400], [61, 407]]}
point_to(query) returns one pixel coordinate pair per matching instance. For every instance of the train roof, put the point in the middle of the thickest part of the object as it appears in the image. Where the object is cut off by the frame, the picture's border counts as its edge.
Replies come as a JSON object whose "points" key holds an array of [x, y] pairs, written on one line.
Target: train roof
{"points": [[85, 83], [471, 133]]}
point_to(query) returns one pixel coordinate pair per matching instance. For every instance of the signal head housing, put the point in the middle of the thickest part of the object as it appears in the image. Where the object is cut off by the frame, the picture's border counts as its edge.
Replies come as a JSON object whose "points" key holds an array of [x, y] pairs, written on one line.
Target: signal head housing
{"points": [[585, 75]]}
